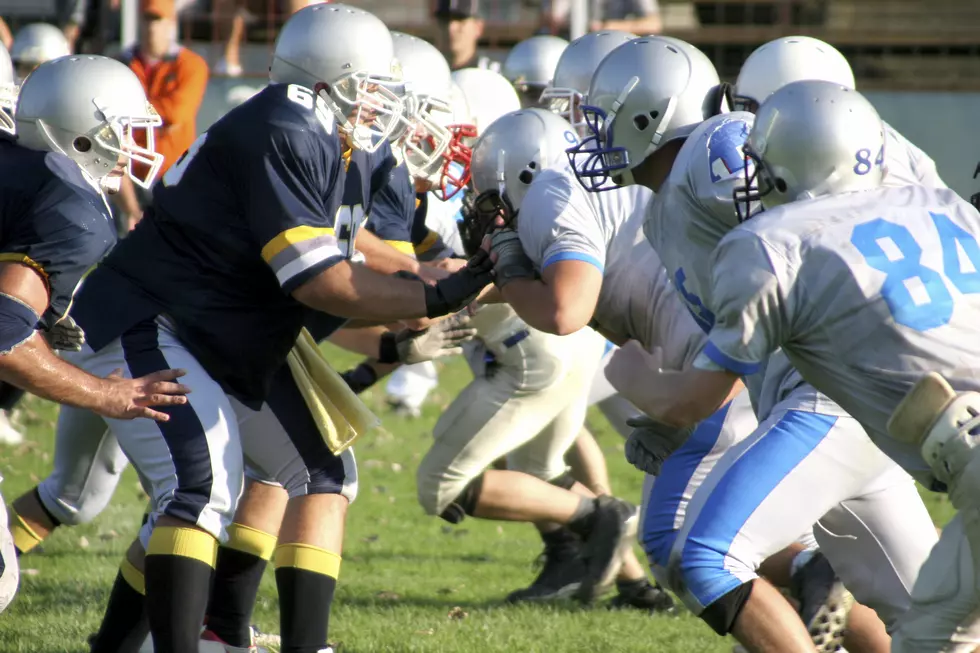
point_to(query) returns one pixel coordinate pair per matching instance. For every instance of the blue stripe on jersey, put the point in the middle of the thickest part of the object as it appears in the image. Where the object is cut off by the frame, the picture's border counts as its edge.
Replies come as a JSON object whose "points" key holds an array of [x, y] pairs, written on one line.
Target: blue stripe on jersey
{"points": [[571, 256], [659, 531], [721, 358], [746, 484]]}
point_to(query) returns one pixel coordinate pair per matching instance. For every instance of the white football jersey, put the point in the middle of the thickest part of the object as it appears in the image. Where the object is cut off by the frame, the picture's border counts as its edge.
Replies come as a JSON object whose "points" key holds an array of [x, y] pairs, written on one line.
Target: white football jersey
{"points": [[865, 292], [441, 217], [906, 164], [559, 220], [689, 216]]}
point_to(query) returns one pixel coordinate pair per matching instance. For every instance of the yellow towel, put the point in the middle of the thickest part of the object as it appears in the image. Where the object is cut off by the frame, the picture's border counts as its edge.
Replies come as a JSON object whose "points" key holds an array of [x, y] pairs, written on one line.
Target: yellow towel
{"points": [[339, 414]]}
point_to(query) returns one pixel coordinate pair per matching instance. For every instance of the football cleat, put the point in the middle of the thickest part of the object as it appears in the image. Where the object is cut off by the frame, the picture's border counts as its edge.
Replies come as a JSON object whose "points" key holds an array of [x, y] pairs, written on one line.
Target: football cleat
{"points": [[825, 604], [603, 549], [562, 570], [649, 597]]}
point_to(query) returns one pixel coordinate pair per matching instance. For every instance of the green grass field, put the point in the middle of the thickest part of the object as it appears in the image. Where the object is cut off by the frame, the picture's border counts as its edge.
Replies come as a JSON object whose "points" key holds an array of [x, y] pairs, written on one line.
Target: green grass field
{"points": [[408, 582]]}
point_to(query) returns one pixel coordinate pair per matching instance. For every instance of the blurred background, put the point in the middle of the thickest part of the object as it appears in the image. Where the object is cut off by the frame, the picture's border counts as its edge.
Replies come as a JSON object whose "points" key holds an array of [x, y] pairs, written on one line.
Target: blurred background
{"points": [[917, 60]]}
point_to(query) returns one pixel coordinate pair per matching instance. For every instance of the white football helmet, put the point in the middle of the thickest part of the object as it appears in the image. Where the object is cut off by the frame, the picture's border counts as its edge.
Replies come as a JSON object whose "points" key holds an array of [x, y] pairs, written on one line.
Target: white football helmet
{"points": [[573, 73], [810, 139], [644, 94], [488, 94], [8, 93], [36, 43], [90, 108], [344, 55], [530, 66], [789, 59], [512, 152], [432, 146]]}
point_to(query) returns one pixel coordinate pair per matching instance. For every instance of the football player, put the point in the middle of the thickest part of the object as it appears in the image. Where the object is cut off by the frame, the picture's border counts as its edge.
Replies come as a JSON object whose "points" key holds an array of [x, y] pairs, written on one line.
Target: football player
{"points": [[868, 289], [255, 226], [690, 159], [57, 225], [530, 67]]}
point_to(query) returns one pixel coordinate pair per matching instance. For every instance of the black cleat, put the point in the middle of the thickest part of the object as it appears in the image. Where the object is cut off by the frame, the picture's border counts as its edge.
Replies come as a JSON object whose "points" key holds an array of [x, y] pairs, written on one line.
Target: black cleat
{"points": [[562, 570], [825, 604], [642, 596], [613, 532]]}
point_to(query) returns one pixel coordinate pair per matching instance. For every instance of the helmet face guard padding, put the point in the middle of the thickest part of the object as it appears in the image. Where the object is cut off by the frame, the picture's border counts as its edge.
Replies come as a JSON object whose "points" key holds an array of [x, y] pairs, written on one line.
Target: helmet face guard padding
{"points": [[116, 136], [368, 108], [435, 149]]}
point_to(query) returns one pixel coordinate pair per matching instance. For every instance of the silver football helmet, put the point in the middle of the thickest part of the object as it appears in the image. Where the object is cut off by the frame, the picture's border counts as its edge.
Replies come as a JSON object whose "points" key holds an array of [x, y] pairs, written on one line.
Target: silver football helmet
{"points": [[8, 93], [530, 66], [346, 57], [789, 59], [812, 138], [573, 73], [488, 94], [36, 43], [645, 93], [91, 109], [433, 145], [511, 153]]}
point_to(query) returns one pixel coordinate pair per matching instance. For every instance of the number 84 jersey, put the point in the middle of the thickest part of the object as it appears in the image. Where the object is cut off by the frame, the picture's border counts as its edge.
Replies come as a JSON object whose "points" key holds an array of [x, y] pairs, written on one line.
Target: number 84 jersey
{"points": [[865, 292]]}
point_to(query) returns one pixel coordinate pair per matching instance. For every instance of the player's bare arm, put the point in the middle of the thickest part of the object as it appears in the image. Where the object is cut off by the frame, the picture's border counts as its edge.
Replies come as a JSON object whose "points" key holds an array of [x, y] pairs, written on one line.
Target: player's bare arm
{"points": [[562, 301], [680, 399], [353, 290], [29, 363]]}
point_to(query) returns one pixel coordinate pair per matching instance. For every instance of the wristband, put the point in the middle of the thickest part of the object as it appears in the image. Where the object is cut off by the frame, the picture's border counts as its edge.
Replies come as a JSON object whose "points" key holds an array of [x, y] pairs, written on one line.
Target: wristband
{"points": [[388, 350], [360, 378]]}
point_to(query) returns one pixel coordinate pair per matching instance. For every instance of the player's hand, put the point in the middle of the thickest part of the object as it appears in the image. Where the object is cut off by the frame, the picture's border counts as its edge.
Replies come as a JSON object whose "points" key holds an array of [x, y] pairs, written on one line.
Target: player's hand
{"points": [[443, 338], [132, 398], [510, 261], [630, 367], [459, 289], [65, 335], [451, 264], [652, 442], [431, 273]]}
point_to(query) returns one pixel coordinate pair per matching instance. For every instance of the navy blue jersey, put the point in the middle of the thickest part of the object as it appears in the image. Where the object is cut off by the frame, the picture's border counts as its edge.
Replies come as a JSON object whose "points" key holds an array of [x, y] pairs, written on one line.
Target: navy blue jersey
{"points": [[428, 244], [258, 205], [53, 219], [393, 212]]}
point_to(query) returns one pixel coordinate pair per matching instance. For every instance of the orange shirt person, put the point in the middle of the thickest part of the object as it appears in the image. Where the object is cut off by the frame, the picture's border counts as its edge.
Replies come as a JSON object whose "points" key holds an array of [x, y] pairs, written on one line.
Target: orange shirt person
{"points": [[175, 79]]}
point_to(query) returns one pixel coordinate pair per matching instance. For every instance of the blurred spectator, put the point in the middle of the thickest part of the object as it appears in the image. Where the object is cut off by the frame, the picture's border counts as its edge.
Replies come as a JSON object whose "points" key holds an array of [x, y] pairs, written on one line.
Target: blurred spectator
{"points": [[636, 16], [233, 16], [460, 28], [34, 44], [69, 16], [175, 79]]}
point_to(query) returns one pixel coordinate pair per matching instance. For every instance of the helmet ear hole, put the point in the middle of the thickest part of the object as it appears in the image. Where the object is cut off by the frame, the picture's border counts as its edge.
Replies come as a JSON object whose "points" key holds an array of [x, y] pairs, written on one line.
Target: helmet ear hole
{"points": [[526, 177], [641, 122], [82, 144], [654, 114], [780, 184]]}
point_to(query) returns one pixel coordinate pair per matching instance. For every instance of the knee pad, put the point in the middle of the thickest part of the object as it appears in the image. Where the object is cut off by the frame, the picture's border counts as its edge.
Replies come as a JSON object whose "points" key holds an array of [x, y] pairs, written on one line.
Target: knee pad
{"points": [[465, 503], [563, 480], [721, 614]]}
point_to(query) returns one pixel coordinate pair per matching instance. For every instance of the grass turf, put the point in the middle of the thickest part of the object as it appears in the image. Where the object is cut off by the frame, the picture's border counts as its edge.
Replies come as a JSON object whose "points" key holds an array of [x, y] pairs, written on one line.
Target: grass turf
{"points": [[408, 582]]}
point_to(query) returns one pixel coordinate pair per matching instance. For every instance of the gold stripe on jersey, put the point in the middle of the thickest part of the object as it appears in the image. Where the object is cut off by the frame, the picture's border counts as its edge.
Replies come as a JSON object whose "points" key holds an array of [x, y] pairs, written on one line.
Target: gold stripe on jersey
{"points": [[24, 259], [402, 246], [291, 237], [427, 243]]}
